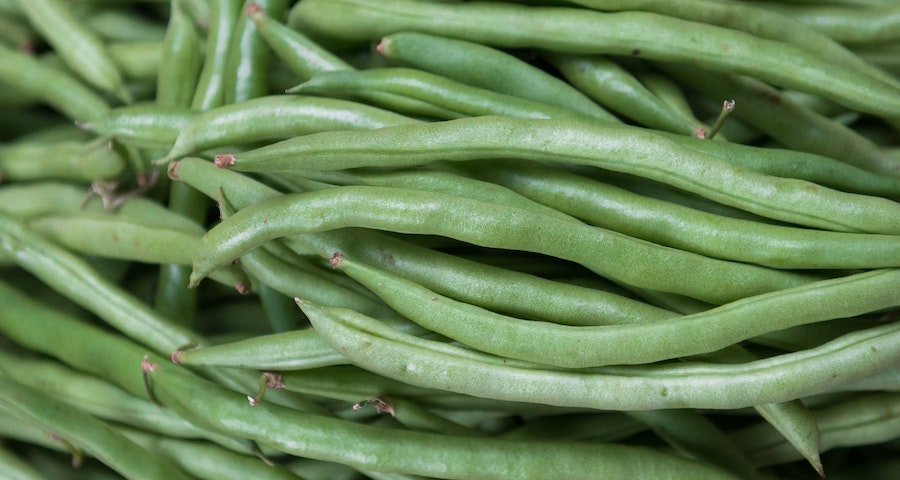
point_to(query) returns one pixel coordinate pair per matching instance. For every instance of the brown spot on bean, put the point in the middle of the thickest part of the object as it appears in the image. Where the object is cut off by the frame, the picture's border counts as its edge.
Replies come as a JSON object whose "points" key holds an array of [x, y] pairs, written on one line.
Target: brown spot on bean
{"points": [[636, 52]]}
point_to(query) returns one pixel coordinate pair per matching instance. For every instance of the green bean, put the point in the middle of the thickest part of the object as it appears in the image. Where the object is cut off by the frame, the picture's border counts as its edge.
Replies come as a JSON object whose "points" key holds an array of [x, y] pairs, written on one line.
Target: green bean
{"points": [[415, 417], [580, 347], [618, 149], [604, 427], [14, 33], [137, 60], [491, 287], [278, 307], [51, 86], [752, 19], [681, 227], [788, 122], [210, 91], [301, 55], [275, 117], [142, 125], [847, 25], [485, 67], [80, 48], [612, 86], [695, 436], [412, 452], [69, 274], [697, 385], [71, 160], [122, 25], [648, 35], [419, 93], [98, 438], [181, 61], [620, 257], [248, 56], [860, 420]]}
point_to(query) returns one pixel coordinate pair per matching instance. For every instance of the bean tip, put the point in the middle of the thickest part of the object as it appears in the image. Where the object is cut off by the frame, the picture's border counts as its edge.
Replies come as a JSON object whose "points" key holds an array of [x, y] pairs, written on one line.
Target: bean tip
{"points": [[380, 48], [225, 160], [172, 171], [254, 9], [243, 287], [176, 356], [336, 259]]}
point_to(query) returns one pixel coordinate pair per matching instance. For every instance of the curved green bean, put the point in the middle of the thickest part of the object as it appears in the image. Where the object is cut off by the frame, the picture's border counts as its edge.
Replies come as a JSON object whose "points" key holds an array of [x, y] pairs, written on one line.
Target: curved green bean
{"points": [[485, 67], [620, 257], [581, 347], [692, 385], [644, 34], [628, 150], [275, 117]]}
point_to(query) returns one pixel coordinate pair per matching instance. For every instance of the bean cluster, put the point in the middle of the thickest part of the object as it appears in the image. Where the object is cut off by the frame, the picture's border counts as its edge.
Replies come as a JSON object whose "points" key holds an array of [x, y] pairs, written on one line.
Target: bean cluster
{"points": [[398, 239]]}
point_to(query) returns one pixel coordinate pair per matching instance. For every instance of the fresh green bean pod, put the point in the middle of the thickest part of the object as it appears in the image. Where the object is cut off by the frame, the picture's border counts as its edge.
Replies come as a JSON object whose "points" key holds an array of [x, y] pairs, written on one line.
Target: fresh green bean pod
{"points": [[56, 88], [181, 62], [275, 117], [860, 420], [210, 91], [648, 35], [248, 55], [302, 56], [582, 347], [625, 259], [604, 427], [78, 46], [753, 19], [485, 67], [611, 85], [17, 468], [66, 273], [413, 452], [98, 438], [627, 150], [847, 25], [420, 93], [790, 123], [415, 417], [681, 227], [496, 288], [146, 125], [694, 385], [71, 160]]}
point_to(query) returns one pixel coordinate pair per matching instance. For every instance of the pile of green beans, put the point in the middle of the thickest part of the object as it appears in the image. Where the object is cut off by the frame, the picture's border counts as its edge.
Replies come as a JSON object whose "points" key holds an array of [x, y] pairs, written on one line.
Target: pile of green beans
{"points": [[408, 239]]}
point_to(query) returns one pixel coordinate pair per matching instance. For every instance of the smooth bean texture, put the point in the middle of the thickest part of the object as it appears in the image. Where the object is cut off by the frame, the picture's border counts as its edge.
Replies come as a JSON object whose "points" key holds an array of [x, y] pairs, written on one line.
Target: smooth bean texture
{"points": [[648, 35], [623, 258], [618, 149], [146, 125], [693, 385]]}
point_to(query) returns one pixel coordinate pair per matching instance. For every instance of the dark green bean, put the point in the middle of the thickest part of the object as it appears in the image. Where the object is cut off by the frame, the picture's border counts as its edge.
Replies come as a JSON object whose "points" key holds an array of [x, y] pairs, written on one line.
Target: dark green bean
{"points": [[648, 35], [485, 67], [210, 91], [248, 55], [181, 61], [620, 149], [419, 93]]}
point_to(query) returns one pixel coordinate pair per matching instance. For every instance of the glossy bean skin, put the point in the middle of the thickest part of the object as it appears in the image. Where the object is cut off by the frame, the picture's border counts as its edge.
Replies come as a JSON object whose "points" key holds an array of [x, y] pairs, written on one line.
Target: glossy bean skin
{"points": [[623, 33], [71, 160], [137, 60], [848, 25], [583, 347], [98, 438], [420, 93], [275, 117], [56, 88], [412, 452], [693, 385], [625, 259], [248, 56], [80, 48], [617, 209], [302, 56], [496, 288], [487, 68], [619, 149], [610, 85], [210, 91], [181, 62], [146, 125]]}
